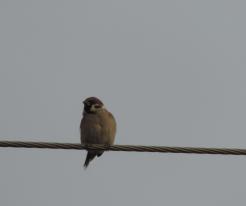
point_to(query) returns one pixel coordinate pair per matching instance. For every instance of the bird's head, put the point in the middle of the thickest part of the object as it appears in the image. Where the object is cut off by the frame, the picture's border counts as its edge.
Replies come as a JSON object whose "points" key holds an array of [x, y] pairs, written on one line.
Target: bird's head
{"points": [[92, 105]]}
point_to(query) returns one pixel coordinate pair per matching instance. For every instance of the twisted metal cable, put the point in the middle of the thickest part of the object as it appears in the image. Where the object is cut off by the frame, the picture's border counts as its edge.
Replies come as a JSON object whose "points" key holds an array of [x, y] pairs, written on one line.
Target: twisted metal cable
{"points": [[125, 148]]}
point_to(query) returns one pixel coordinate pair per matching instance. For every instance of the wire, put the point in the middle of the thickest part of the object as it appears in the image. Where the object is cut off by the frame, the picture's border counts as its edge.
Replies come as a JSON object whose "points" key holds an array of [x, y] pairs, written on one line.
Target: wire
{"points": [[125, 148]]}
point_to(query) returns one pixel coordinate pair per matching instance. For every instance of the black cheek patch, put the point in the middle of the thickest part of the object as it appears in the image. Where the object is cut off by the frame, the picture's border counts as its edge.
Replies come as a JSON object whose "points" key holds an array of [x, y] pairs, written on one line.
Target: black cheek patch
{"points": [[98, 106]]}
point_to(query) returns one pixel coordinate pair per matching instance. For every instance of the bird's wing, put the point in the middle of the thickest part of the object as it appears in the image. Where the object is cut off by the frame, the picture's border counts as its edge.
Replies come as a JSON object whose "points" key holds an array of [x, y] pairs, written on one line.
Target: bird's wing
{"points": [[113, 125], [90, 130], [108, 124]]}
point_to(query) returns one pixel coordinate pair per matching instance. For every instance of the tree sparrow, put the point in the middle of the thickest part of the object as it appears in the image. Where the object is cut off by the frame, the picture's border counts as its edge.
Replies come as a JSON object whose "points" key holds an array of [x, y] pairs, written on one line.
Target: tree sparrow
{"points": [[97, 126]]}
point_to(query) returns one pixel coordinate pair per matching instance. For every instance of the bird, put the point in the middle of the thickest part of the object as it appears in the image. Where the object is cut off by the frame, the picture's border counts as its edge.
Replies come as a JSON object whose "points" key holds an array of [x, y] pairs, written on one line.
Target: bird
{"points": [[98, 126]]}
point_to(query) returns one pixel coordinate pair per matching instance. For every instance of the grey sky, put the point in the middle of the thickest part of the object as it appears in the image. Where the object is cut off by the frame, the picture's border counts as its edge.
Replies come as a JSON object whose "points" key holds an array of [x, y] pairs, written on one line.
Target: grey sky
{"points": [[172, 72]]}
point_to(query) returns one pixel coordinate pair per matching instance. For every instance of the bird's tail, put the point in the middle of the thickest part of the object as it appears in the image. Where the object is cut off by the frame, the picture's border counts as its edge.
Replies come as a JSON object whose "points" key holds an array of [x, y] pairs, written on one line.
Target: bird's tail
{"points": [[90, 156]]}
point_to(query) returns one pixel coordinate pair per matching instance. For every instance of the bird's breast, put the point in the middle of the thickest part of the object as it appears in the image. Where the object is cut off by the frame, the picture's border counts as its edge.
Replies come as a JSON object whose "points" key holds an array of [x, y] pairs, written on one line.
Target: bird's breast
{"points": [[98, 129]]}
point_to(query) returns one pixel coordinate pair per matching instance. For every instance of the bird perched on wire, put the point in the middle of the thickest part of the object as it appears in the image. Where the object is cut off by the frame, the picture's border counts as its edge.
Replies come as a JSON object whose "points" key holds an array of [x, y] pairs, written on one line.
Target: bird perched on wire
{"points": [[98, 126]]}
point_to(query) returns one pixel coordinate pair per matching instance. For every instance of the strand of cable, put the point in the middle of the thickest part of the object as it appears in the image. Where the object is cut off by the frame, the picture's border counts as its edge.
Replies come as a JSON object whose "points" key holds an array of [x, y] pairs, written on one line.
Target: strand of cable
{"points": [[125, 148]]}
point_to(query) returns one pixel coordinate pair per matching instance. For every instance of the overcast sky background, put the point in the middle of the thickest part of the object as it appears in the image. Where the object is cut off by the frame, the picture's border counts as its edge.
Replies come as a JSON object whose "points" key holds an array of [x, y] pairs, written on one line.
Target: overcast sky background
{"points": [[172, 72]]}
